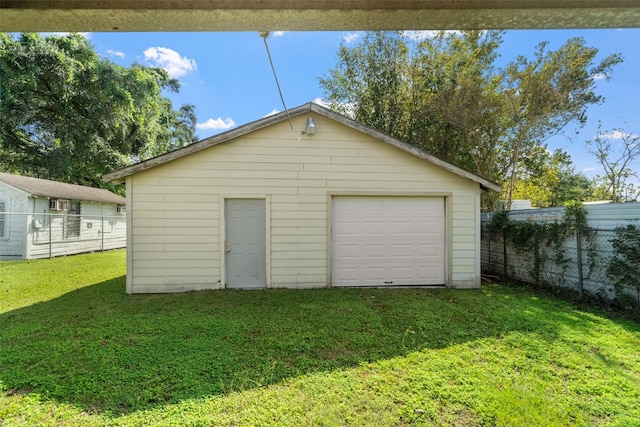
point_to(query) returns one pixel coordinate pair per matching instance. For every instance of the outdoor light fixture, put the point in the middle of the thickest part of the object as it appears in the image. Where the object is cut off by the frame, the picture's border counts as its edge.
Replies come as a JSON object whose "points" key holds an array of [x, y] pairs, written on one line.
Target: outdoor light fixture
{"points": [[310, 129]]}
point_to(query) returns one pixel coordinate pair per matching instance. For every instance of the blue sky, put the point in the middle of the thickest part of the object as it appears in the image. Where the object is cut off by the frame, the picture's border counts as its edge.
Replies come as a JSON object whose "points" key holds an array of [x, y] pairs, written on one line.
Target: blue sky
{"points": [[227, 76]]}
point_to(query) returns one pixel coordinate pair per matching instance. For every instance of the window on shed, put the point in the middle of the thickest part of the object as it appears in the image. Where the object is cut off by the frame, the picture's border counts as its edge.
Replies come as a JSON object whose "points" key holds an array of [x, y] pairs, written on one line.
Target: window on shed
{"points": [[72, 221]]}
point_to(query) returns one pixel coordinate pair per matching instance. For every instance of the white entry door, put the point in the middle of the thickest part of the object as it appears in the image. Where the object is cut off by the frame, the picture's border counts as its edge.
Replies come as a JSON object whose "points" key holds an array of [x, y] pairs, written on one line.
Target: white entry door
{"points": [[245, 258], [387, 241]]}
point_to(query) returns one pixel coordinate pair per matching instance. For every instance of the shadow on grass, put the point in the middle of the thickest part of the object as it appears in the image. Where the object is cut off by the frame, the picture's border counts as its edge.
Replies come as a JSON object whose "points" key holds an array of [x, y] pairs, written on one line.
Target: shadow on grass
{"points": [[108, 352]]}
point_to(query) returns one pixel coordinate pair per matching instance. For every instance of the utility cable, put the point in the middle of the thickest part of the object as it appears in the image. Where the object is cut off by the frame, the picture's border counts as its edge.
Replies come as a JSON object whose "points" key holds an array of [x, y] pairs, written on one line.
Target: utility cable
{"points": [[264, 35]]}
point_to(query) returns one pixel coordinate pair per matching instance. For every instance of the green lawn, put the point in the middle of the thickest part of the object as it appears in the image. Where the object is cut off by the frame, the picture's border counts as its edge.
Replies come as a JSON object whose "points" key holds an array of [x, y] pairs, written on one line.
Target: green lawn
{"points": [[76, 350]]}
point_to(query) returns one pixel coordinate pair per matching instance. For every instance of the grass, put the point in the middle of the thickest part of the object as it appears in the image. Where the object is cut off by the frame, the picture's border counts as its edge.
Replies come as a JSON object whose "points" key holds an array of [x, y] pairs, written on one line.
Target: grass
{"points": [[76, 350]]}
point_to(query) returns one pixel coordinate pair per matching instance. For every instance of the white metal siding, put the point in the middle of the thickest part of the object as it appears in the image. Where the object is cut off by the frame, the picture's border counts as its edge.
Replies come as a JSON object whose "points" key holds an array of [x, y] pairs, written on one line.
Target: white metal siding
{"points": [[388, 241]]}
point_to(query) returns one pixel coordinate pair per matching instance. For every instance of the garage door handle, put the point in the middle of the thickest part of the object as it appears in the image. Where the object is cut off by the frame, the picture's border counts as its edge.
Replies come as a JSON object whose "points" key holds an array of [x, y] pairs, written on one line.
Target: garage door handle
{"points": [[388, 283]]}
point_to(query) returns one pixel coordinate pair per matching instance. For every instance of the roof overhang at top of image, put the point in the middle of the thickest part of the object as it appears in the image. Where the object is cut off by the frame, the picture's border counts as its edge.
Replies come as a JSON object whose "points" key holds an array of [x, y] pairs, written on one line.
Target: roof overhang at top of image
{"points": [[313, 15]]}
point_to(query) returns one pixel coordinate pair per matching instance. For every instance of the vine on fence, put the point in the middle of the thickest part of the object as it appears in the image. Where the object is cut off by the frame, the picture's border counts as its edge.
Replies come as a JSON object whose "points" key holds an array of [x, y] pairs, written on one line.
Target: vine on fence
{"points": [[525, 235], [624, 267]]}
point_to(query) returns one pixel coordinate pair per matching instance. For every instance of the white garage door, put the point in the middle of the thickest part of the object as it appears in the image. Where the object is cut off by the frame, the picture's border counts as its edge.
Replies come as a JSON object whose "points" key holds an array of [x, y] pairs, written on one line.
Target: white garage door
{"points": [[387, 241]]}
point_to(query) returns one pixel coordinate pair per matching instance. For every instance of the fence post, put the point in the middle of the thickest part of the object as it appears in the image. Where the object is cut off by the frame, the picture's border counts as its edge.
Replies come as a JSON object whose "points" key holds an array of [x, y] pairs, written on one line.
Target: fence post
{"points": [[504, 253], [489, 265], [102, 233], [50, 238], [579, 249]]}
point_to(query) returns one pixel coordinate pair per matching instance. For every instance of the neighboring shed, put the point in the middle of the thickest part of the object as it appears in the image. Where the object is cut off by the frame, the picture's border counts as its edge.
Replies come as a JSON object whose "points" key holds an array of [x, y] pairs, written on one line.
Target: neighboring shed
{"points": [[262, 206], [40, 218]]}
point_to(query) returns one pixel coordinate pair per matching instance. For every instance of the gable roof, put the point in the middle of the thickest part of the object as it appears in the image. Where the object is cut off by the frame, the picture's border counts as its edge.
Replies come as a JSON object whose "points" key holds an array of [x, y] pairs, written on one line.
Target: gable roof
{"points": [[119, 175], [60, 190]]}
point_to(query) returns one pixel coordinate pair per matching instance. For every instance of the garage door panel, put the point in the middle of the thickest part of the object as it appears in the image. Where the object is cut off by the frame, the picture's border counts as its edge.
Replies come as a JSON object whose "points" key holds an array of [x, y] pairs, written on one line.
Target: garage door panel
{"points": [[400, 251], [375, 251], [402, 274], [430, 226], [427, 250], [347, 251], [405, 228], [382, 241], [348, 274], [375, 228], [347, 228], [428, 273], [372, 273]]}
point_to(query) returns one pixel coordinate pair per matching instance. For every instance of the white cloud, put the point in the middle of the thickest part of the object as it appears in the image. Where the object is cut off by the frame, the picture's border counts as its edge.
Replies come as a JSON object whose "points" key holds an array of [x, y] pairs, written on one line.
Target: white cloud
{"points": [[217, 124], [616, 134], [278, 33], [274, 111], [175, 64], [112, 52], [351, 37], [589, 169], [600, 76]]}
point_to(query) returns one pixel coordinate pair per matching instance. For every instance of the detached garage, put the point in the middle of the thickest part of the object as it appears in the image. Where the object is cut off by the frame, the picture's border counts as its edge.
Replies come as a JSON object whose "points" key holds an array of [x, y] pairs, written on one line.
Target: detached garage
{"points": [[331, 203]]}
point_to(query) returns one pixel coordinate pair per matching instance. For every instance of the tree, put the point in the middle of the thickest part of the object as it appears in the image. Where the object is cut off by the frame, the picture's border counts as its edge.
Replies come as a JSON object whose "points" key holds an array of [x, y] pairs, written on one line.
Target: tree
{"points": [[446, 95], [369, 83], [616, 184], [417, 94], [543, 95], [549, 179], [70, 115], [455, 113]]}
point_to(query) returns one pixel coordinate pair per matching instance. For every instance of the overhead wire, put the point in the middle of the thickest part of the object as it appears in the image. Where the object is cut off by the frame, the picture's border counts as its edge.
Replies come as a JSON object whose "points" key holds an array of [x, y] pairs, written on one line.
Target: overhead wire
{"points": [[265, 35]]}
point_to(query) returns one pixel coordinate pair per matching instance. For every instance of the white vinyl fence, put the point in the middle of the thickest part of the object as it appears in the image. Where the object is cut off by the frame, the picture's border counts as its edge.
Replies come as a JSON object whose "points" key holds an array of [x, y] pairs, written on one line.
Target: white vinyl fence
{"points": [[47, 235], [579, 263]]}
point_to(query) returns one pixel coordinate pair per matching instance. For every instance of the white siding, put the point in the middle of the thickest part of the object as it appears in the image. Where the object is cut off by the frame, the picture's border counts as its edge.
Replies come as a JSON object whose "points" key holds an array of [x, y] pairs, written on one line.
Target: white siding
{"points": [[176, 230]]}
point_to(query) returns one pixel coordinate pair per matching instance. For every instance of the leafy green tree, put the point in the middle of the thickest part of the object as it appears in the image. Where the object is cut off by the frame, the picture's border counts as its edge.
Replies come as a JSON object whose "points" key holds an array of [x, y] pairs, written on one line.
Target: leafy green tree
{"points": [[70, 115], [616, 151], [549, 179], [455, 113], [416, 93], [543, 95], [370, 84]]}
